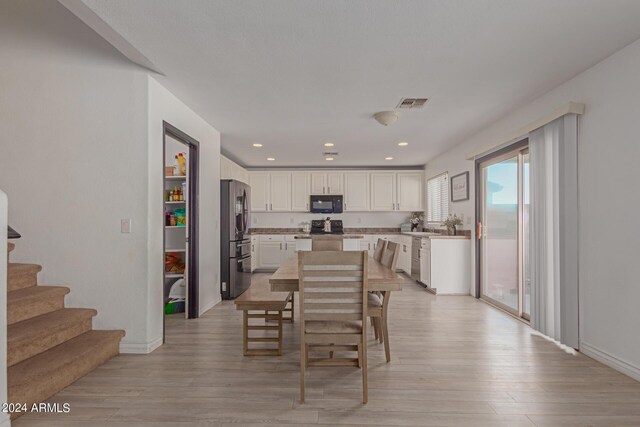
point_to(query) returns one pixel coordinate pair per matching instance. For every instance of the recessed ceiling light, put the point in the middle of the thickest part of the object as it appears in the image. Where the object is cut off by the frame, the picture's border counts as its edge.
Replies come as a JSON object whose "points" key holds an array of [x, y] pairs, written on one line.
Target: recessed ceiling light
{"points": [[257, 145], [328, 158], [271, 159], [388, 158], [329, 144], [403, 144]]}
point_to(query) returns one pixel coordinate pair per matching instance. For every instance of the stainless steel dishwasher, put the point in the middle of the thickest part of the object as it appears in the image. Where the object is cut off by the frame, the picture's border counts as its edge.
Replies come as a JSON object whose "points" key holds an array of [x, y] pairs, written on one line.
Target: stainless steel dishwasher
{"points": [[415, 258]]}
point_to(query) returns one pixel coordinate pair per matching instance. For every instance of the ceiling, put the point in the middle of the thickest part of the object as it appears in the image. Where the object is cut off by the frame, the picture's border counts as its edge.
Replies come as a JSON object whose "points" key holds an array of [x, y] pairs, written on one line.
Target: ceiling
{"points": [[294, 74]]}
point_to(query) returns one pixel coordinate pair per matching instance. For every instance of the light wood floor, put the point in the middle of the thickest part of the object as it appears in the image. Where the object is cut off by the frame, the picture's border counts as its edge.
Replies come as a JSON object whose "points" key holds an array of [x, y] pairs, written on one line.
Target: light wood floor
{"points": [[456, 362]]}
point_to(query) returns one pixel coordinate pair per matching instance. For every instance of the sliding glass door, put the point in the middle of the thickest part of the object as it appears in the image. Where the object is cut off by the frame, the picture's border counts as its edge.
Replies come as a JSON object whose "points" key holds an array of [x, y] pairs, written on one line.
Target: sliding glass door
{"points": [[503, 230]]}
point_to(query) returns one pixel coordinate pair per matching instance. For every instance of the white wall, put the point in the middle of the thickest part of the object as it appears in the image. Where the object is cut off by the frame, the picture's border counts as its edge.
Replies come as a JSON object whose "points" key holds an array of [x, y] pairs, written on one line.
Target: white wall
{"points": [[350, 219], [4, 417], [81, 148], [608, 152], [164, 106], [74, 160]]}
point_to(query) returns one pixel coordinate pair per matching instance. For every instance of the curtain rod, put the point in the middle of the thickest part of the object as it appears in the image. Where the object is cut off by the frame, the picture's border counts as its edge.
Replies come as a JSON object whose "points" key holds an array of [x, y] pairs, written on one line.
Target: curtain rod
{"points": [[568, 108]]}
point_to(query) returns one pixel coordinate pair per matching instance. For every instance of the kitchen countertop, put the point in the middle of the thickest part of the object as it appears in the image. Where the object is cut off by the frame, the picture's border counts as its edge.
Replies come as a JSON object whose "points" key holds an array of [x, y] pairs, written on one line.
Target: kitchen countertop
{"points": [[359, 233], [329, 236]]}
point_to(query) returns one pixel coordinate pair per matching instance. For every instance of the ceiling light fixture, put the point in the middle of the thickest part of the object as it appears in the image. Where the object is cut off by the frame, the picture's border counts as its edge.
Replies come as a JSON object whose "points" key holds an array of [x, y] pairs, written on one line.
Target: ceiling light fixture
{"points": [[257, 145], [329, 144], [328, 158], [403, 144], [388, 158], [271, 159], [386, 118]]}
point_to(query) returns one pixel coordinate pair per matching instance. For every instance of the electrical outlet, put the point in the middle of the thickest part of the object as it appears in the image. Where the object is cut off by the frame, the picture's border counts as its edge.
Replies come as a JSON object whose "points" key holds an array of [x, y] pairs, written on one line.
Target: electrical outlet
{"points": [[359, 220], [125, 225]]}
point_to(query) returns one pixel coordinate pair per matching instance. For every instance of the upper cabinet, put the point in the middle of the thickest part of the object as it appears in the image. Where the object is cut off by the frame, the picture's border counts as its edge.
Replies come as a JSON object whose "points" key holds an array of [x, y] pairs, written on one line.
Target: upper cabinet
{"points": [[327, 183], [280, 192], [409, 191], [356, 191], [288, 191], [259, 183], [232, 170], [383, 191], [300, 186]]}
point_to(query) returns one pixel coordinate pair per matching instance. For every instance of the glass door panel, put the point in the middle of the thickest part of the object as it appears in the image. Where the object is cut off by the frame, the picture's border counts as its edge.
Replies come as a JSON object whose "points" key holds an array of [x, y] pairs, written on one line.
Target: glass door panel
{"points": [[499, 238]]}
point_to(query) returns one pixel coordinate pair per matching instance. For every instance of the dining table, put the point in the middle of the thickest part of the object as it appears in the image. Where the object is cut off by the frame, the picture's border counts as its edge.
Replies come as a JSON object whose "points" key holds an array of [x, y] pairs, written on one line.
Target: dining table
{"points": [[381, 278]]}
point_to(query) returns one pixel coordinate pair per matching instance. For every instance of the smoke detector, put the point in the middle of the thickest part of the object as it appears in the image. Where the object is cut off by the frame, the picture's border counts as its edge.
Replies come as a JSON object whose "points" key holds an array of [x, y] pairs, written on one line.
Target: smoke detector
{"points": [[386, 118]]}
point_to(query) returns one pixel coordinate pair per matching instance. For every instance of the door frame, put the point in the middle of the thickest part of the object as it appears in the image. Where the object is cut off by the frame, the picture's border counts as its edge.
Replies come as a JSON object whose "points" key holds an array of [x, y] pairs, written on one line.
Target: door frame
{"points": [[193, 303], [497, 155]]}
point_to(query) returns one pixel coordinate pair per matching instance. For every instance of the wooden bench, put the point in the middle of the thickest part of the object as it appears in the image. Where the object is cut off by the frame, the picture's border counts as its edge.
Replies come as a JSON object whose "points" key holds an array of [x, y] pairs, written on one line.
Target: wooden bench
{"points": [[259, 302]]}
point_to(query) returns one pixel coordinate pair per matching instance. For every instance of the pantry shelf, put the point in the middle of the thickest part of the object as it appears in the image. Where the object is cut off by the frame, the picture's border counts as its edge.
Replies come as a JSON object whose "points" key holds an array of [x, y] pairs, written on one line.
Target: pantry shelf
{"points": [[174, 202], [173, 275], [178, 177], [175, 226], [175, 250]]}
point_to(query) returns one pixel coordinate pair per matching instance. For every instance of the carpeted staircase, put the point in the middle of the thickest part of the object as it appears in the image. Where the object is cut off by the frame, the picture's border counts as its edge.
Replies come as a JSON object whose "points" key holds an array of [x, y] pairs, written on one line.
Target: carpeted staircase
{"points": [[48, 346]]}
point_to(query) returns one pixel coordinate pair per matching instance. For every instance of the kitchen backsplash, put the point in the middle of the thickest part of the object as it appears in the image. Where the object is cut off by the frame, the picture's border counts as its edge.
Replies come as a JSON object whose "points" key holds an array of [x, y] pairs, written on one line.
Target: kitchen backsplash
{"points": [[350, 219]]}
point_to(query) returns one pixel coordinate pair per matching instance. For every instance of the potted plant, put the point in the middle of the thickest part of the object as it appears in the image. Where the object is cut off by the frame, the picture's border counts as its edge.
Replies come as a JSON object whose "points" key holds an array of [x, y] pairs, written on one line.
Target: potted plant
{"points": [[416, 219], [451, 222]]}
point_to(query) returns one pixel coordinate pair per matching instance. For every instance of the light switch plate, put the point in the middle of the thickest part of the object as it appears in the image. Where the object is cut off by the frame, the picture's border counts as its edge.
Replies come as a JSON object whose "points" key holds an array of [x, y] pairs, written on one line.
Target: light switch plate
{"points": [[125, 225]]}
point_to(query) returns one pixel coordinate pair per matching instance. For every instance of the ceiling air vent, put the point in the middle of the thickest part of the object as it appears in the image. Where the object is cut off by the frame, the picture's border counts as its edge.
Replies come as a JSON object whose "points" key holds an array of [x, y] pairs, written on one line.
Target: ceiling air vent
{"points": [[330, 153], [412, 103]]}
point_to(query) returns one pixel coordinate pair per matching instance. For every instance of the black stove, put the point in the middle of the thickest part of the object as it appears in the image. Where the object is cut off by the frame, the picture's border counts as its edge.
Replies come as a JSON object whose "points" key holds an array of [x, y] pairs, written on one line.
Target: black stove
{"points": [[317, 227]]}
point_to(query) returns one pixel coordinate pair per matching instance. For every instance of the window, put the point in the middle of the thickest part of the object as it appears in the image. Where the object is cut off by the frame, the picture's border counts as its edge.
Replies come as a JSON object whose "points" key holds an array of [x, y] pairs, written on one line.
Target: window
{"points": [[438, 198]]}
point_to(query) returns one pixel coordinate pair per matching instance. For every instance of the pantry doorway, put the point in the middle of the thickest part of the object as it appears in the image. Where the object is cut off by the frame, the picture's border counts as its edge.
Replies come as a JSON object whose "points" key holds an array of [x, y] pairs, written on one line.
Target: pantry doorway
{"points": [[180, 234]]}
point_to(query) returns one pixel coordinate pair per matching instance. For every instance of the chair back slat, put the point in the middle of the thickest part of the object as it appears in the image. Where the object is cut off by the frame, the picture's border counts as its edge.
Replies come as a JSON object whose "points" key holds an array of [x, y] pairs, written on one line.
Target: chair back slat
{"points": [[380, 246], [332, 285], [390, 255], [326, 245]]}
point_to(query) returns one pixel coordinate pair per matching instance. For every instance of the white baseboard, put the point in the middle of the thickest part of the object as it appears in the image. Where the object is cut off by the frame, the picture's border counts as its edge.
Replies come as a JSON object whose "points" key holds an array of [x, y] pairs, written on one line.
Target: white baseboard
{"points": [[5, 420], [609, 360], [140, 347], [210, 305]]}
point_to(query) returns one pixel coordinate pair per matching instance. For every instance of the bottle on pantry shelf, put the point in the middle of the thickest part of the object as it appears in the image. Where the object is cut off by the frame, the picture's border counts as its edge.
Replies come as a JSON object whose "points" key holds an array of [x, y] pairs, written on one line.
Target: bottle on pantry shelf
{"points": [[167, 219], [181, 162], [184, 190], [172, 220]]}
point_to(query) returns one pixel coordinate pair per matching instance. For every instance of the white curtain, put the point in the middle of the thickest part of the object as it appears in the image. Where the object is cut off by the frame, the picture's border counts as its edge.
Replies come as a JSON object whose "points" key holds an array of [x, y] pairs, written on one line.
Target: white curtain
{"points": [[554, 225]]}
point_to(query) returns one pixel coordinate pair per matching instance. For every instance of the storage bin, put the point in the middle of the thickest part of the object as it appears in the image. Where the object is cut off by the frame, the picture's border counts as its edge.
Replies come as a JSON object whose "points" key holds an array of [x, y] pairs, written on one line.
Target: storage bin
{"points": [[169, 170]]}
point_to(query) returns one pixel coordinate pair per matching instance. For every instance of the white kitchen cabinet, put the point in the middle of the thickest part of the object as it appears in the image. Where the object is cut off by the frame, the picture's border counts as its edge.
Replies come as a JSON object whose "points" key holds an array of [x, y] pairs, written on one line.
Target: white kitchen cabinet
{"points": [[335, 183], [288, 191], [280, 192], [351, 245], [289, 249], [356, 191], [326, 183], [318, 183], [300, 187], [271, 254], [303, 245], [409, 191], [445, 265], [259, 183], [383, 191], [232, 170]]}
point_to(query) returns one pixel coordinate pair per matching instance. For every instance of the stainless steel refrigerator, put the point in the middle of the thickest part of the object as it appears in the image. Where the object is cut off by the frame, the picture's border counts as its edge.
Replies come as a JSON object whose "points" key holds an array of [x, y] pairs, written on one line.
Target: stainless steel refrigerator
{"points": [[235, 250]]}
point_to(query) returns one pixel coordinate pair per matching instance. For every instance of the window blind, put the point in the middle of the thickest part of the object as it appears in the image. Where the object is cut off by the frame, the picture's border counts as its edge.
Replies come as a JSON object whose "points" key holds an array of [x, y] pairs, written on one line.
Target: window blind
{"points": [[438, 198]]}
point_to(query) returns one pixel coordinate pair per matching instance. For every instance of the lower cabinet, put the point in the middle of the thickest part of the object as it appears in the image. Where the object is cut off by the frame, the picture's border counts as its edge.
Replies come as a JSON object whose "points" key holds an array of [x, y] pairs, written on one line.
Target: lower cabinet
{"points": [[445, 265], [273, 249]]}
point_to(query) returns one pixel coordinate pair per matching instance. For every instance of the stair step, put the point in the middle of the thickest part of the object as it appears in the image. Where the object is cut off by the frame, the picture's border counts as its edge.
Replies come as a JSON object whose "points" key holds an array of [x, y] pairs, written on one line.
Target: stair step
{"points": [[38, 378], [33, 301], [33, 336], [22, 275]]}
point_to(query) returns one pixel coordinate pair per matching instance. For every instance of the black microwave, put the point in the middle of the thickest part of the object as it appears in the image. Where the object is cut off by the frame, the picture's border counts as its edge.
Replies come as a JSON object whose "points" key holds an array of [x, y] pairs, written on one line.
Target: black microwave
{"points": [[325, 204]]}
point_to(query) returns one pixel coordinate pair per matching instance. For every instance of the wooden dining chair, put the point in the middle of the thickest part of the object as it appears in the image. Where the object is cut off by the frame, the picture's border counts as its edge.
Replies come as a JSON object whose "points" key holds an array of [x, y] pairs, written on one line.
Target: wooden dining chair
{"points": [[326, 245], [378, 302], [377, 254], [333, 310]]}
